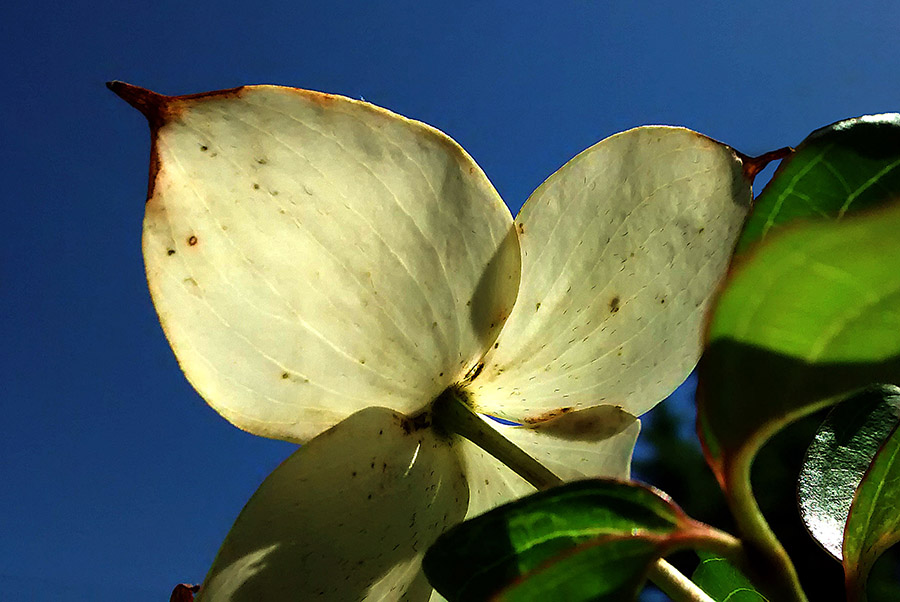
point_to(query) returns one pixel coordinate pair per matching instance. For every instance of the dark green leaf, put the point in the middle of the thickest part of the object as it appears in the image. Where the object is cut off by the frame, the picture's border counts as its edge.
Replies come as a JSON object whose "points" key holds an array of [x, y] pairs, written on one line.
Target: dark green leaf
{"points": [[874, 522], [609, 570], [847, 166], [723, 582], [474, 560], [838, 458]]}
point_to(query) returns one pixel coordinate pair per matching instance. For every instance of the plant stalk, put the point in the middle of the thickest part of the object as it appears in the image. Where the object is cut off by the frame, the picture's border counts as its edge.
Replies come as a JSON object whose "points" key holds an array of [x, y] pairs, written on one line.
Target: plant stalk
{"points": [[453, 414], [768, 561]]}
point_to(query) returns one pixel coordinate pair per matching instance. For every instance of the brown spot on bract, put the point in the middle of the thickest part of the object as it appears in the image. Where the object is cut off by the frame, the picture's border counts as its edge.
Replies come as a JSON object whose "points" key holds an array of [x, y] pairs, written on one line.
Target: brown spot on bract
{"points": [[537, 306], [550, 415], [192, 240], [285, 375], [255, 186], [204, 148], [473, 372], [170, 252], [521, 227], [614, 304]]}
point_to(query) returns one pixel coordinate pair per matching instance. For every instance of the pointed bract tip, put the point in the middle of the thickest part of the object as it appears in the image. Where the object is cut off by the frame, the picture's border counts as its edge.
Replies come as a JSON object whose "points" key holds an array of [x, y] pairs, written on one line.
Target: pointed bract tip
{"points": [[151, 104]]}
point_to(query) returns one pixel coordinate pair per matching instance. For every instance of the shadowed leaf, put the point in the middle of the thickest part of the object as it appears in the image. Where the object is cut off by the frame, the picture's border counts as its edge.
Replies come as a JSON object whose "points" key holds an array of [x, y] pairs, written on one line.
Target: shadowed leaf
{"points": [[724, 583], [873, 525]]}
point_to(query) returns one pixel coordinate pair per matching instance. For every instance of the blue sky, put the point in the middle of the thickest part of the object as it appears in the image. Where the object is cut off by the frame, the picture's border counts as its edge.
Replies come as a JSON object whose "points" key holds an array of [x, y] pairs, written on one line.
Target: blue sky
{"points": [[117, 480]]}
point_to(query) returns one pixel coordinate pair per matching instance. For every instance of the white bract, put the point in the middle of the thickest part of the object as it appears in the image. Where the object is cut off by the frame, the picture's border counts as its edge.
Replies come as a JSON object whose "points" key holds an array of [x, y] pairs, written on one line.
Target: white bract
{"points": [[324, 269]]}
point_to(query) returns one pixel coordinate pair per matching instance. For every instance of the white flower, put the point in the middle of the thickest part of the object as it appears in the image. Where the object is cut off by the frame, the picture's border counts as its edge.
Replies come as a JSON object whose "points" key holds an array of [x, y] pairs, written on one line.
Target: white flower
{"points": [[324, 269]]}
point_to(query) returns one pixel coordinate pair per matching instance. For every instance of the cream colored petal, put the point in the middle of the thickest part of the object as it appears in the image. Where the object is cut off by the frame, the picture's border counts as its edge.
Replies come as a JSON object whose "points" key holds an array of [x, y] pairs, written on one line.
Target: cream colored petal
{"points": [[491, 483], [590, 443], [346, 517], [596, 442], [308, 252], [622, 249]]}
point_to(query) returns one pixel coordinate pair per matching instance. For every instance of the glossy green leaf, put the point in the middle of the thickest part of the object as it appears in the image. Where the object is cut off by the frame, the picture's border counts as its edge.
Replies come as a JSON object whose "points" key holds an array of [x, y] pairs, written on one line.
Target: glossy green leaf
{"points": [[475, 559], [622, 250], [874, 521], [723, 582], [346, 517], [848, 166], [838, 458], [808, 318]]}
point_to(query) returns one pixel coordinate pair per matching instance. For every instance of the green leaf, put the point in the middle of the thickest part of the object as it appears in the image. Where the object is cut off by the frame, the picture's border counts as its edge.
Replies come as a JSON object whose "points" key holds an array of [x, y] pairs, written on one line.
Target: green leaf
{"points": [[546, 534], [839, 457], [723, 582], [611, 569], [848, 166], [873, 525], [810, 316]]}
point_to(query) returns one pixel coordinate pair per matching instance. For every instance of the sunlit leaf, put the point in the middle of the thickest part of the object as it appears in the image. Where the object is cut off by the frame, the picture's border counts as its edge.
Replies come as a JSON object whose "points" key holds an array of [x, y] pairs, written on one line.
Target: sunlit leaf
{"points": [[808, 318], [811, 316], [723, 582], [839, 457], [308, 253], [873, 525], [474, 560], [349, 515], [848, 166], [622, 249]]}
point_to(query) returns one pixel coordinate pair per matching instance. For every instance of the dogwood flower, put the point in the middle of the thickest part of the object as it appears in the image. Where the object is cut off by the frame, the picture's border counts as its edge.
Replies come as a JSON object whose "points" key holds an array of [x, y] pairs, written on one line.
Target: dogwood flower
{"points": [[325, 269]]}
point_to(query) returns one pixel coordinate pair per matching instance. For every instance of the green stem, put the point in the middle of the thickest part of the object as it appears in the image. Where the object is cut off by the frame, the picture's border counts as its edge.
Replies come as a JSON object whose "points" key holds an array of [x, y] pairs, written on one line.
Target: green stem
{"points": [[769, 563], [453, 414]]}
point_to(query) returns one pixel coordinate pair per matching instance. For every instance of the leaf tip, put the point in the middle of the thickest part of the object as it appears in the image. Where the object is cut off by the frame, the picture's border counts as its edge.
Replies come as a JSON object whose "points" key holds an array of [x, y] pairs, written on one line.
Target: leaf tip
{"points": [[754, 165], [149, 103]]}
